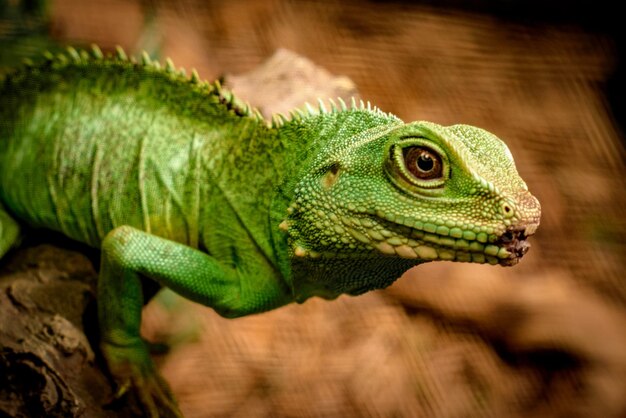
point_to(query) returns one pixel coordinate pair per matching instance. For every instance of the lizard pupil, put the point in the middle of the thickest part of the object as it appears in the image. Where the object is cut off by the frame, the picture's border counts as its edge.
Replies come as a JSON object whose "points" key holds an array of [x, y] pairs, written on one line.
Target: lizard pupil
{"points": [[423, 163]]}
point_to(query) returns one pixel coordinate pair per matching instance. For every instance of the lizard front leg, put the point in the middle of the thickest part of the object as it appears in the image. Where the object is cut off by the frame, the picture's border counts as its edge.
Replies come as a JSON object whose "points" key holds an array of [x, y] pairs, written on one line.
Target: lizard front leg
{"points": [[127, 255]]}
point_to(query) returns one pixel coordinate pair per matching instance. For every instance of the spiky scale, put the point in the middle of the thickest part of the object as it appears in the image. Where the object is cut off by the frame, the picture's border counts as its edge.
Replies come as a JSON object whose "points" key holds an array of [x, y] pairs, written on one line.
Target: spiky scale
{"points": [[297, 114], [333, 105], [120, 54], [283, 118], [194, 78], [61, 58], [74, 55], [96, 52], [145, 58], [169, 66], [257, 114], [322, 106], [276, 123]]}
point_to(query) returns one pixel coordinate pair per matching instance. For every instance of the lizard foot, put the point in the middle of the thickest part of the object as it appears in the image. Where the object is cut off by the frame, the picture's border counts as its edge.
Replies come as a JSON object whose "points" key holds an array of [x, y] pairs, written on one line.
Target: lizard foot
{"points": [[136, 377]]}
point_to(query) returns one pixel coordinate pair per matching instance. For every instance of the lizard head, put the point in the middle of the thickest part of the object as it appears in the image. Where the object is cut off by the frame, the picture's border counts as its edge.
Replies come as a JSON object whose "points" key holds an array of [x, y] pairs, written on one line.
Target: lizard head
{"points": [[416, 191]]}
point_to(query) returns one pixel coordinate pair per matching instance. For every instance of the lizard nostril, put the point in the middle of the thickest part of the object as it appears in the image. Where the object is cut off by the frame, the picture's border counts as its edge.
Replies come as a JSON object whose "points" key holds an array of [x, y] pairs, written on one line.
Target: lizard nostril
{"points": [[507, 210]]}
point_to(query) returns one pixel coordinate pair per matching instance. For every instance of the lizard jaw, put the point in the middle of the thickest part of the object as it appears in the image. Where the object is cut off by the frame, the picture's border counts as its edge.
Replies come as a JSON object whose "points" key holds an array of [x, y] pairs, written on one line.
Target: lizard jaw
{"points": [[505, 249], [401, 240]]}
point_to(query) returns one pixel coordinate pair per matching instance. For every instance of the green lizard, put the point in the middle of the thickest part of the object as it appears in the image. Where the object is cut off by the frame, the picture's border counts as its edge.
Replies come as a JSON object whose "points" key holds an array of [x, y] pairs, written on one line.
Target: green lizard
{"points": [[178, 182]]}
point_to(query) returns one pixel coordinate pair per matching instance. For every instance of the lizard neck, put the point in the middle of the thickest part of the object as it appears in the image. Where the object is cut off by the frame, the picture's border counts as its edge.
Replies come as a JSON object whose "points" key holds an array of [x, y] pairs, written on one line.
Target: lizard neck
{"points": [[313, 265]]}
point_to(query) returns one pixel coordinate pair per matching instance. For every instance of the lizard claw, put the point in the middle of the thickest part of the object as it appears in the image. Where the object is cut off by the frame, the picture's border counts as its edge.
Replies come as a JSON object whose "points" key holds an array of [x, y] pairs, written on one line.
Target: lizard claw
{"points": [[138, 380]]}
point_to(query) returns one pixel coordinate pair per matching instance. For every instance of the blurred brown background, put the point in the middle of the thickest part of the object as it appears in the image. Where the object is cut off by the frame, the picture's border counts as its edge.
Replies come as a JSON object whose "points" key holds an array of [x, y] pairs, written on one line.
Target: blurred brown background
{"points": [[546, 338]]}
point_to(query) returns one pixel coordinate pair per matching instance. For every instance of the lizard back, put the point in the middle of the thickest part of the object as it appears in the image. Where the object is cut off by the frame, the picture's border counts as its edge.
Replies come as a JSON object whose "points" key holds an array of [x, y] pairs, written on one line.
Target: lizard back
{"points": [[89, 143]]}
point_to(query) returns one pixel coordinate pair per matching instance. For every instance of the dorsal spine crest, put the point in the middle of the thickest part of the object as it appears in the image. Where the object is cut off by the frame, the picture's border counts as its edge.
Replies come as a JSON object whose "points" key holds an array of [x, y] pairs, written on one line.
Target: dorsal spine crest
{"points": [[95, 56]]}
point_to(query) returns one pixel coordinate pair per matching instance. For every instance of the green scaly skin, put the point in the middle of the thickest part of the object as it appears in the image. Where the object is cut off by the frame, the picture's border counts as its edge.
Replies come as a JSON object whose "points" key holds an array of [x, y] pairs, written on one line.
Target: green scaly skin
{"points": [[176, 181]]}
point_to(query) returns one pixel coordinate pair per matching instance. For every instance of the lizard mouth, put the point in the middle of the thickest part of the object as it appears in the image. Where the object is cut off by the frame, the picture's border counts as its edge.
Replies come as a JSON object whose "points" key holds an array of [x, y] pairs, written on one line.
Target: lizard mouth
{"points": [[505, 249], [515, 241]]}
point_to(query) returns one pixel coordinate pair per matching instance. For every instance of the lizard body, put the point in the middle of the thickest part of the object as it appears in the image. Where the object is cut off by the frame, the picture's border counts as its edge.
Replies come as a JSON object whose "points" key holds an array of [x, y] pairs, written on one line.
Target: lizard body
{"points": [[177, 181]]}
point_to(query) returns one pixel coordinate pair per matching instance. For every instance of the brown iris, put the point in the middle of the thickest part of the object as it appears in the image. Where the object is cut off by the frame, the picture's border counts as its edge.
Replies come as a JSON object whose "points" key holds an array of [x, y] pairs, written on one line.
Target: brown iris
{"points": [[423, 163]]}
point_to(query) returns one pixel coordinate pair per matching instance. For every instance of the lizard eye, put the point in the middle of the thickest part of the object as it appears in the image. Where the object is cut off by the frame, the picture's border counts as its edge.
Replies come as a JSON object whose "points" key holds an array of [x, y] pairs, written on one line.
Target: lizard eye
{"points": [[418, 165], [423, 163]]}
